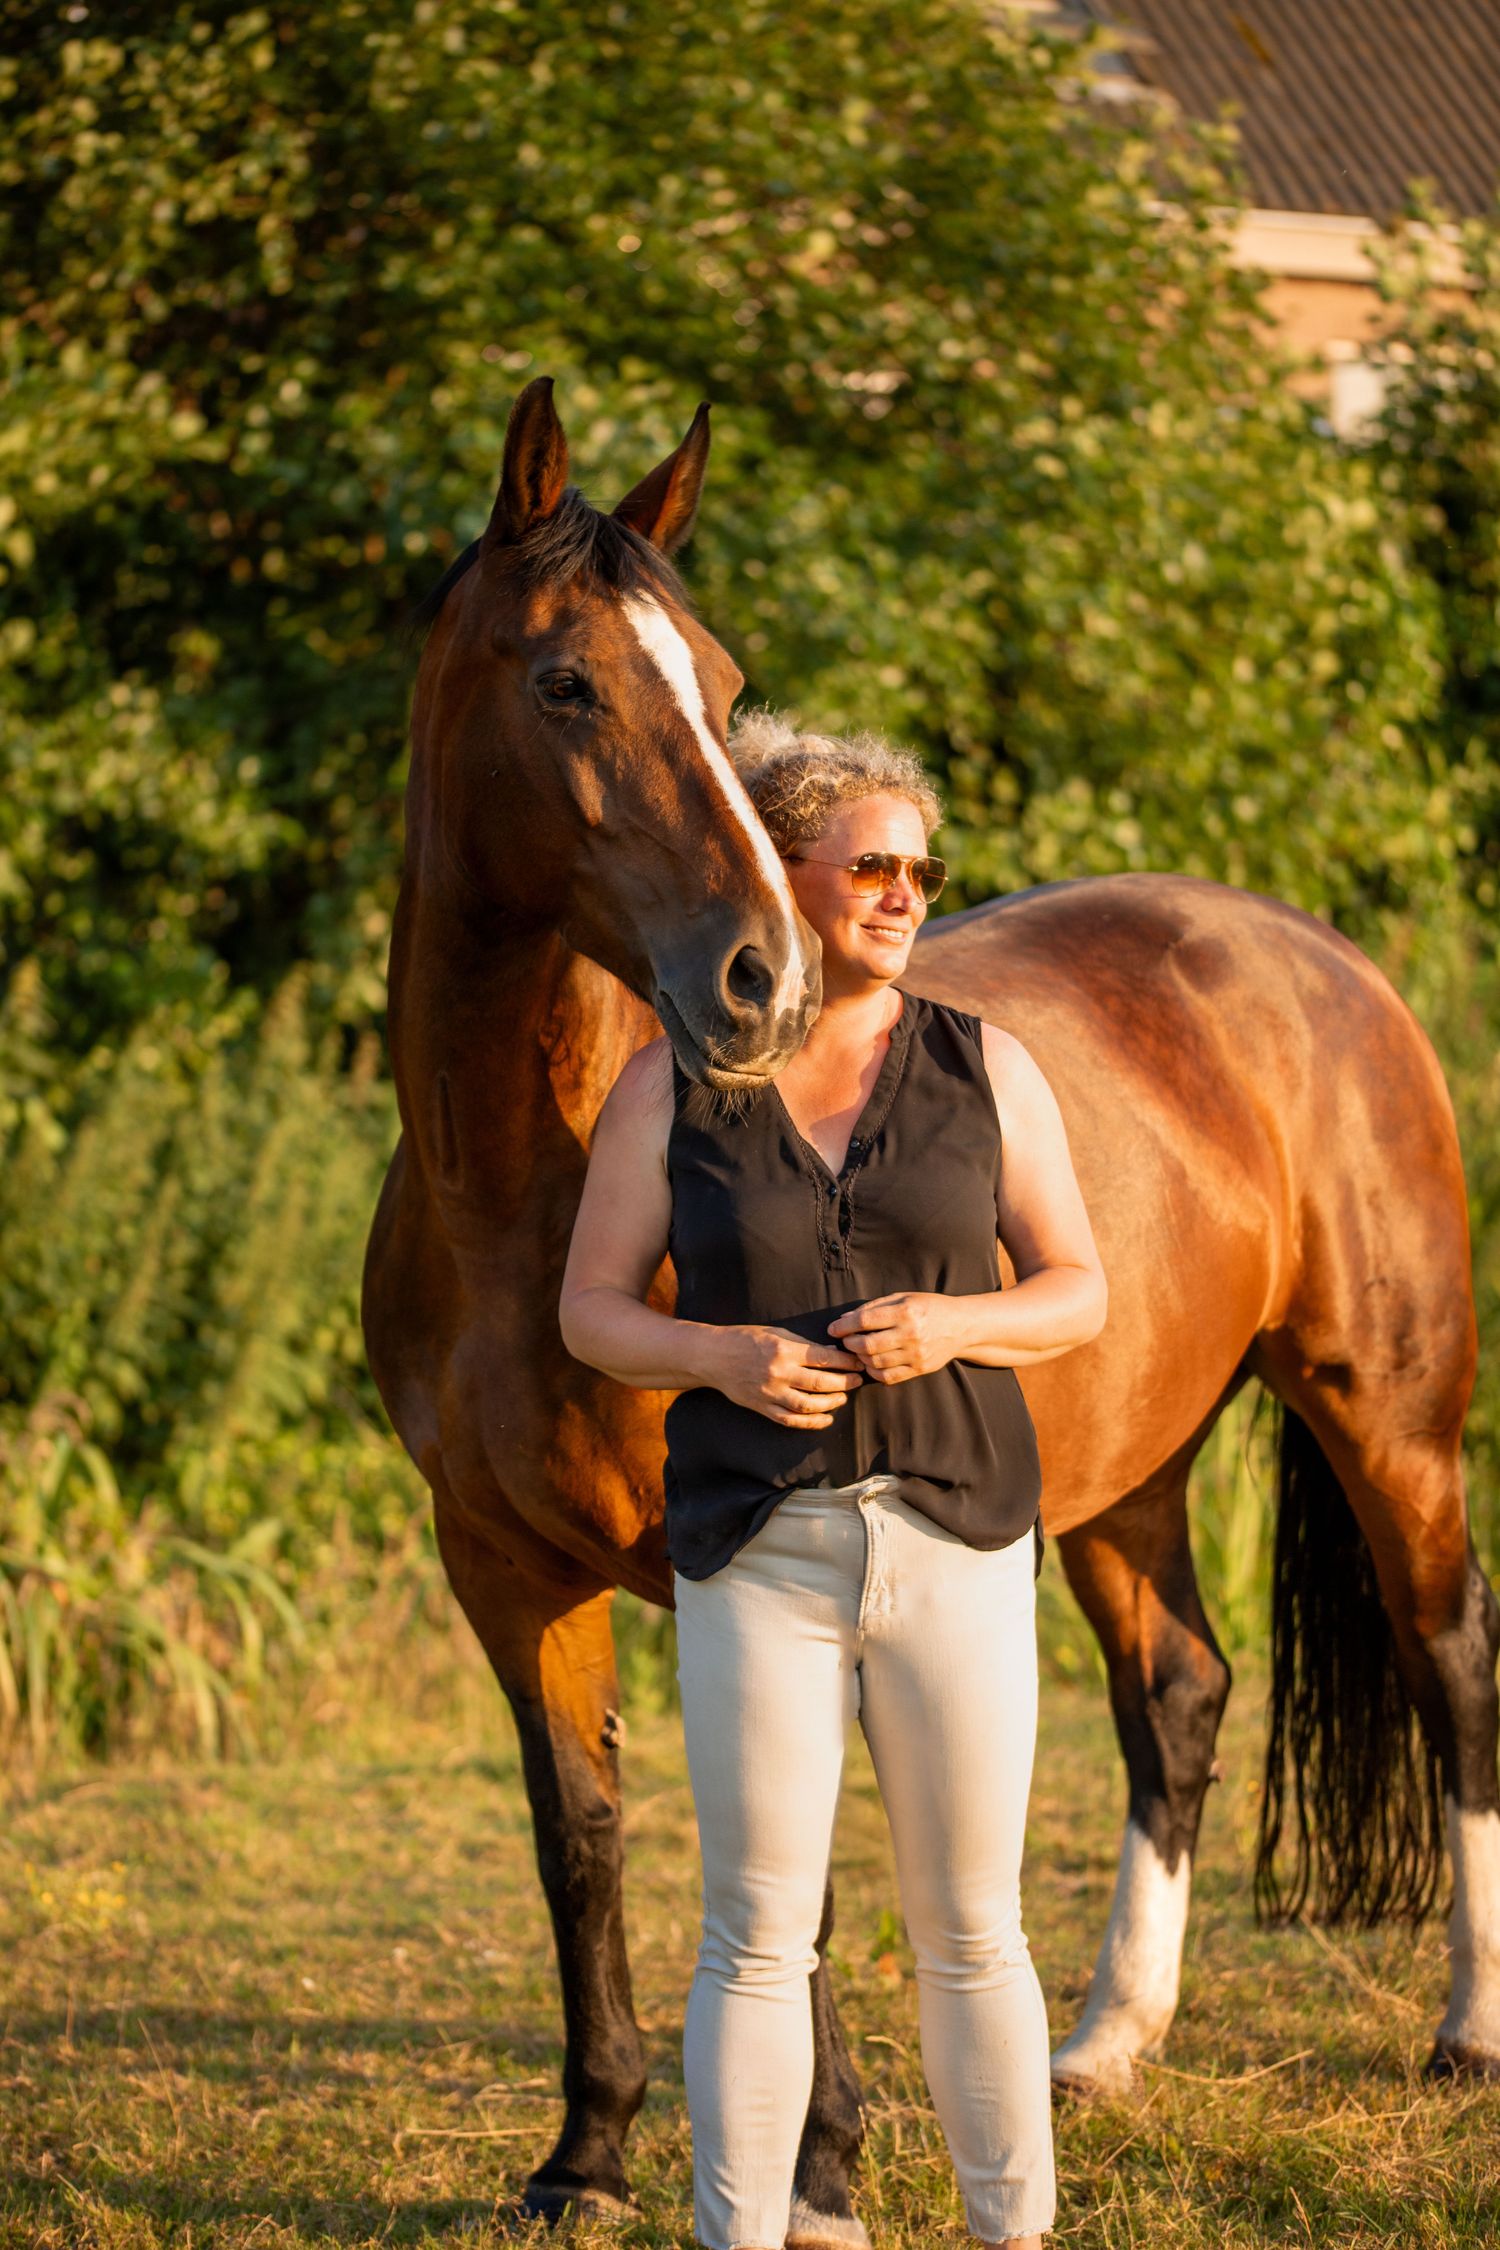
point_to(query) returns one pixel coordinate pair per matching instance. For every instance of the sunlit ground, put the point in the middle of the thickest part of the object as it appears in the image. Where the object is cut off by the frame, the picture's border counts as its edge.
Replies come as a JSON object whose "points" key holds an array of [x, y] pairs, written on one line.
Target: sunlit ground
{"points": [[314, 2003]]}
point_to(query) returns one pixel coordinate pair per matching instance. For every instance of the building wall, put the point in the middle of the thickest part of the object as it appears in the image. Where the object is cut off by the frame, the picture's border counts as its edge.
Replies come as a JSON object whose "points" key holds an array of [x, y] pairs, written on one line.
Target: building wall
{"points": [[1322, 299]]}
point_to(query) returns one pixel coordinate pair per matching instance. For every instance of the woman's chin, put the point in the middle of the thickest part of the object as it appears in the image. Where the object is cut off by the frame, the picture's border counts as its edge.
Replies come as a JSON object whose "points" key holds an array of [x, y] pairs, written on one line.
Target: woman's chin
{"points": [[873, 959]]}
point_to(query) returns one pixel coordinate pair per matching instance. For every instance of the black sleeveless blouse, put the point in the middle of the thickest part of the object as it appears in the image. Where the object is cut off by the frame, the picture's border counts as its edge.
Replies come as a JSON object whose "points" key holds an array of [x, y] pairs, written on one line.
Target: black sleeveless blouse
{"points": [[762, 1231]]}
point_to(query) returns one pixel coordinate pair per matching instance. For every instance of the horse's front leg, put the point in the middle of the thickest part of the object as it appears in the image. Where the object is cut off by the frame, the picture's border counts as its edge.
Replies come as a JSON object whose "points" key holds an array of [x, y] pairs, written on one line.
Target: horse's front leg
{"points": [[822, 2217], [546, 1631]]}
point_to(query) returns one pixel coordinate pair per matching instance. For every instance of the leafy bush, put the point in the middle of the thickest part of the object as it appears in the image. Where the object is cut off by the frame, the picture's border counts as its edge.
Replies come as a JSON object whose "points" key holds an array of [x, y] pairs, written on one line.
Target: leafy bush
{"points": [[182, 1250], [1005, 462], [1437, 450], [1448, 970]]}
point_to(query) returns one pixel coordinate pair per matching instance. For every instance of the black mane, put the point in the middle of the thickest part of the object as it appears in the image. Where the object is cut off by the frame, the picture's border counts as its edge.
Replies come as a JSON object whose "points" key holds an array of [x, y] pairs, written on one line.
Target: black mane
{"points": [[575, 541]]}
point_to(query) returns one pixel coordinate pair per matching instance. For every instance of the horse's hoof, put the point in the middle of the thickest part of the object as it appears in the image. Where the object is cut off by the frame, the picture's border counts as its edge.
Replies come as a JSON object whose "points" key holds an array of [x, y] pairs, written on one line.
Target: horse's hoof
{"points": [[1450, 2059], [1112, 2077], [808, 2229], [555, 2200]]}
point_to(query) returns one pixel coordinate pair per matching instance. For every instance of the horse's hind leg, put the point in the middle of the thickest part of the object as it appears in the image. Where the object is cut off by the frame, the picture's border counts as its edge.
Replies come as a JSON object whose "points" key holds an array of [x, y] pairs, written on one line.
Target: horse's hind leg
{"points": [[546, 1631], [1132, 1571], [1387, 1448]]}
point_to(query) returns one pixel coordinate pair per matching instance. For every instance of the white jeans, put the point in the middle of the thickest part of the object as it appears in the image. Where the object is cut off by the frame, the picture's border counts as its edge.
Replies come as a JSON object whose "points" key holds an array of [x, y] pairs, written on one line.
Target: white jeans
{"points": [[846, 1604]]}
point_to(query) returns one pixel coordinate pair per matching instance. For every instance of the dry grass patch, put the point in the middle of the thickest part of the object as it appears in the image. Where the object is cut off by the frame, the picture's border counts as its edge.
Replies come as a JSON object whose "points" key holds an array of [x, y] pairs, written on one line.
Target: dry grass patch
{"points": [[314, 2003]]}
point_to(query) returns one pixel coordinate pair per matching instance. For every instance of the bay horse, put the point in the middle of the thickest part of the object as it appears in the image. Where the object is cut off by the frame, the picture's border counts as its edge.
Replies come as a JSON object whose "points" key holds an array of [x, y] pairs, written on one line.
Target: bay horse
{"points": [[1267, 1150]]}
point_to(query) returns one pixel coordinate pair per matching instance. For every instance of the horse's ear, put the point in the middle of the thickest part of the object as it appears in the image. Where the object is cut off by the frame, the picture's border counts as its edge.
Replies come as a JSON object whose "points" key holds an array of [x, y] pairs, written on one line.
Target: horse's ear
{"points": [[663, 505], [535, 473]]}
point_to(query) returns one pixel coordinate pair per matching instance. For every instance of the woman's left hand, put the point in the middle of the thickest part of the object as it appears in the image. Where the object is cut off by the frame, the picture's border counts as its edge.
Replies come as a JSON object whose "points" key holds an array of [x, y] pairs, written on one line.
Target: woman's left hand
{"points": [[910, 1333]]}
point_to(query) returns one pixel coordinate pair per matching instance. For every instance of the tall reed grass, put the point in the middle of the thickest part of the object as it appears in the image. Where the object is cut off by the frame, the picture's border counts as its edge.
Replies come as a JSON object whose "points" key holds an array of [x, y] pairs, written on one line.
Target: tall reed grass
{"points": [[115, 1628]]}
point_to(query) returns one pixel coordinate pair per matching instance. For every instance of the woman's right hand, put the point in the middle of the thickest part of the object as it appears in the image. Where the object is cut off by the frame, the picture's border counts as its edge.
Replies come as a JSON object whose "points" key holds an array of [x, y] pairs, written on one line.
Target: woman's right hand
{"points": [[783, 1375]]}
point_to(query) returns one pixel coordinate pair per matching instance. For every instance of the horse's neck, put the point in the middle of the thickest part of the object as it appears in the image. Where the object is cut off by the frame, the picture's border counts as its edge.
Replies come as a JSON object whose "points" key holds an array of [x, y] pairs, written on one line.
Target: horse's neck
{"points": [[504, 1048]]}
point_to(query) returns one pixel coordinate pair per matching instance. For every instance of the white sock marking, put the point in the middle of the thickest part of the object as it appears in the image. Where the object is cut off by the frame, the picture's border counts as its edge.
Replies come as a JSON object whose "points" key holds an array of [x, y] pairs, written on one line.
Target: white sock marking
{"points": [[1133, 1995], [670, 653], [1473, 2018]]}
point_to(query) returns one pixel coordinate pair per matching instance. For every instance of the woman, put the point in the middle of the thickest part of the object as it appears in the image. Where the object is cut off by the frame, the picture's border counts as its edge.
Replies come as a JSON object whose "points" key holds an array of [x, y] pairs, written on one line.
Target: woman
{"points": [[852, 1485]]}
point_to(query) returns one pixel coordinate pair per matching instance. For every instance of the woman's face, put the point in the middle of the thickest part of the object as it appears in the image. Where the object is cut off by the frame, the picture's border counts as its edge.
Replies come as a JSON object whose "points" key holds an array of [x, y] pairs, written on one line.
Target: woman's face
{"points": [[865, 940]]}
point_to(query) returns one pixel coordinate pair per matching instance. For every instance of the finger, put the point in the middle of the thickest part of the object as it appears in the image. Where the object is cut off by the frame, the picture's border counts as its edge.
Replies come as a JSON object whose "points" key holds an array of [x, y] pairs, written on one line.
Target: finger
{"points": [[802, 1421], [870, 1320], [828, 1355], [857, 1313]]}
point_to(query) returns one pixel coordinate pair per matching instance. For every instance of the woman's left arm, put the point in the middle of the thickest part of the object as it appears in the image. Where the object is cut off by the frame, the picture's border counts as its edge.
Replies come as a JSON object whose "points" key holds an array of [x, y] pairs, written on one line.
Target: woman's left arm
{"points": [[1060, 1296]]}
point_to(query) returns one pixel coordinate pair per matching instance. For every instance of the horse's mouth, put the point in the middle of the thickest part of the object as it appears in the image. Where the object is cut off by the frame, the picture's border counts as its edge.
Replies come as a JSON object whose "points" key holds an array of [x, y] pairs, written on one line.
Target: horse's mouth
{"points": [[704, 1066]]}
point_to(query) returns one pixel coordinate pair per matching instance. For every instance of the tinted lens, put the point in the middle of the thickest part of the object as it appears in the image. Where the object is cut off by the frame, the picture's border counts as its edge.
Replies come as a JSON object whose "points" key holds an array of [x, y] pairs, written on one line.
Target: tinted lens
{"points": [[873, 872]]}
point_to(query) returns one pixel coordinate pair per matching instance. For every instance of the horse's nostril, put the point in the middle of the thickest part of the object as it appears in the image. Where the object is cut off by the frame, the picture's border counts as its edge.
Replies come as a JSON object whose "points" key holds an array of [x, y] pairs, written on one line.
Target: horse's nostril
{"points": [[750, 977]]}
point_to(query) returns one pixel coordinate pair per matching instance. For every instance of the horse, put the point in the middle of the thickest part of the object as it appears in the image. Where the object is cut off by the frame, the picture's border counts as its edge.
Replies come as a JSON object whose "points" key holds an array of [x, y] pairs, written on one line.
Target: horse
{"points": [[1267, 1150]]}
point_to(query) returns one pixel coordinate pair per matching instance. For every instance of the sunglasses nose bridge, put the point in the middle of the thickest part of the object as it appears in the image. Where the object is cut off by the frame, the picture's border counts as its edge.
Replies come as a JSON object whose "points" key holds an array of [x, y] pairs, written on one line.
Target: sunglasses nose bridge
{"points": [[902, 881]]}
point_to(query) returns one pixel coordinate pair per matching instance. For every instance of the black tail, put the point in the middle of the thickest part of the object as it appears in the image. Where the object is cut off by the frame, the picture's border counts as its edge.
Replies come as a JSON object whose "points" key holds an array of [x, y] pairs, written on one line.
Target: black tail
{"points": [[1347, 1772]]}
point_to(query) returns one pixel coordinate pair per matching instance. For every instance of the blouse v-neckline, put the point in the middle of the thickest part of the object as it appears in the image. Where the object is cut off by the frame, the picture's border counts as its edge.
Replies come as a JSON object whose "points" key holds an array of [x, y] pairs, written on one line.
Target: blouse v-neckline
{"points": [[877, 1103]]}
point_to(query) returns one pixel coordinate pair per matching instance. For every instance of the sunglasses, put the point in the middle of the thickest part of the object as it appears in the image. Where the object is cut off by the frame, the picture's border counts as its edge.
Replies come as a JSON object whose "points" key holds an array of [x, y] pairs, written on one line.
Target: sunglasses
{"points": [[874, 872]]}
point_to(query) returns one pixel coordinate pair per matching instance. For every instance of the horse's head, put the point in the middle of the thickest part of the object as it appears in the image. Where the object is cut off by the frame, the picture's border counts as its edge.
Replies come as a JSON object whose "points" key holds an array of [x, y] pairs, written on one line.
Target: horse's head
{"points": [[569, 724]]}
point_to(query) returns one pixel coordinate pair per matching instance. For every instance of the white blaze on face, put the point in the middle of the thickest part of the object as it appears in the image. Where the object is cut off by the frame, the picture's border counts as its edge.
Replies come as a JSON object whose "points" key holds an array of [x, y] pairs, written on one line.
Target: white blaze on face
{"points": [[1473, 2018], [1133, 1995], [670, 653]]}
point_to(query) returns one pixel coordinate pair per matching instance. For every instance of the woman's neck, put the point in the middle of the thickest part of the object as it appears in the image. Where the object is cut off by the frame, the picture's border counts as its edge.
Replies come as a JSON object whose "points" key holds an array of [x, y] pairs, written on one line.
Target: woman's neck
{"points": [[853, 1020]]}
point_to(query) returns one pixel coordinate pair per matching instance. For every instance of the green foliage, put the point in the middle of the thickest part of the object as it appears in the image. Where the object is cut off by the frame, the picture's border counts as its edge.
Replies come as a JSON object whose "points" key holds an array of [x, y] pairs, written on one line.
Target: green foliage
{"points": [[1437, 449], [1003, 462], [111, 1624], [1448, 970], [182, 1250]]}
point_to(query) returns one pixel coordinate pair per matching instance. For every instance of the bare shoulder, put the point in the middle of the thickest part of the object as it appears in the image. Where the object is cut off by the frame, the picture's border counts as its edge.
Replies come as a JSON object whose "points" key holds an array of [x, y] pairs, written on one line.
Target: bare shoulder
{"points": [[640, 1100], [647, 1078], [1002, 1049], [1016, 1077], [1005, 1059]]}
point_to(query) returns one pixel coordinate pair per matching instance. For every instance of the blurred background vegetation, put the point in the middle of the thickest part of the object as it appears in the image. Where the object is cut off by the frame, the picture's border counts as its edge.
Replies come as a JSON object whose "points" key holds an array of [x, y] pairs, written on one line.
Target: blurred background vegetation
{"points": [[1006, 463]]}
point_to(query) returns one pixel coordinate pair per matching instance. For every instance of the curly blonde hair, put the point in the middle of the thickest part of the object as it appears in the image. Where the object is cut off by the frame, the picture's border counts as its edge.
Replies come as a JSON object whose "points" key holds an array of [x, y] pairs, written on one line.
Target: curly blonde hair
{"points": [[797, 780]]}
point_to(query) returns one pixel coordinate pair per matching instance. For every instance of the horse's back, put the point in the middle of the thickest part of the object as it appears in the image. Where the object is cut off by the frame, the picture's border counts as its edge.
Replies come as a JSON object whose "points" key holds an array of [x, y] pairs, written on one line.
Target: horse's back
{"points": [[1257, 1121], [1188, 1000], [1106, 944]]}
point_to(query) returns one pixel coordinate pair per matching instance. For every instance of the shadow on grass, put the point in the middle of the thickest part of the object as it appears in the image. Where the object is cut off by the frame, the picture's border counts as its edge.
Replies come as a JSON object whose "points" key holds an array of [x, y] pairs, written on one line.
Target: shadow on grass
{"points": [[164, 1790], [183, 2201], [227, 2047]]}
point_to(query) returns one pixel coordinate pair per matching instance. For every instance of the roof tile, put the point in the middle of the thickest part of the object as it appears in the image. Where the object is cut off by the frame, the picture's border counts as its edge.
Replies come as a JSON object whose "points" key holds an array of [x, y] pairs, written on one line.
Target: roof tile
{"points": [[1339, 103]]}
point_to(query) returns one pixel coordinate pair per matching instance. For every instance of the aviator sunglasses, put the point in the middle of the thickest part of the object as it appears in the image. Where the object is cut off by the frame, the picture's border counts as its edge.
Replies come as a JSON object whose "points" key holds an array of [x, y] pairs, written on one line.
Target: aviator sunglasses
{"points": [[874, 872]]}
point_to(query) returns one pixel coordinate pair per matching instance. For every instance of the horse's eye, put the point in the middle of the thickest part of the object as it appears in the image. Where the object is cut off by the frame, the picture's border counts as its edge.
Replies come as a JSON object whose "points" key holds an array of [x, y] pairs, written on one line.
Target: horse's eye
{"points": [[563, 688]]}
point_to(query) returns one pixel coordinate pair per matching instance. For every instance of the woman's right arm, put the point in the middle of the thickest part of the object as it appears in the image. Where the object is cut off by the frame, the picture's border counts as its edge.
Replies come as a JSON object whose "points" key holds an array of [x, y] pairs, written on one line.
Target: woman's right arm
{"points": [[619, 1242]]}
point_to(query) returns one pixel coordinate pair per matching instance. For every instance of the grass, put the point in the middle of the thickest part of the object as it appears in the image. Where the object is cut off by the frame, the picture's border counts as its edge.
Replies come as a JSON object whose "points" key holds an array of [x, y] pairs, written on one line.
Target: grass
{"points": [[312, 2002]]}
